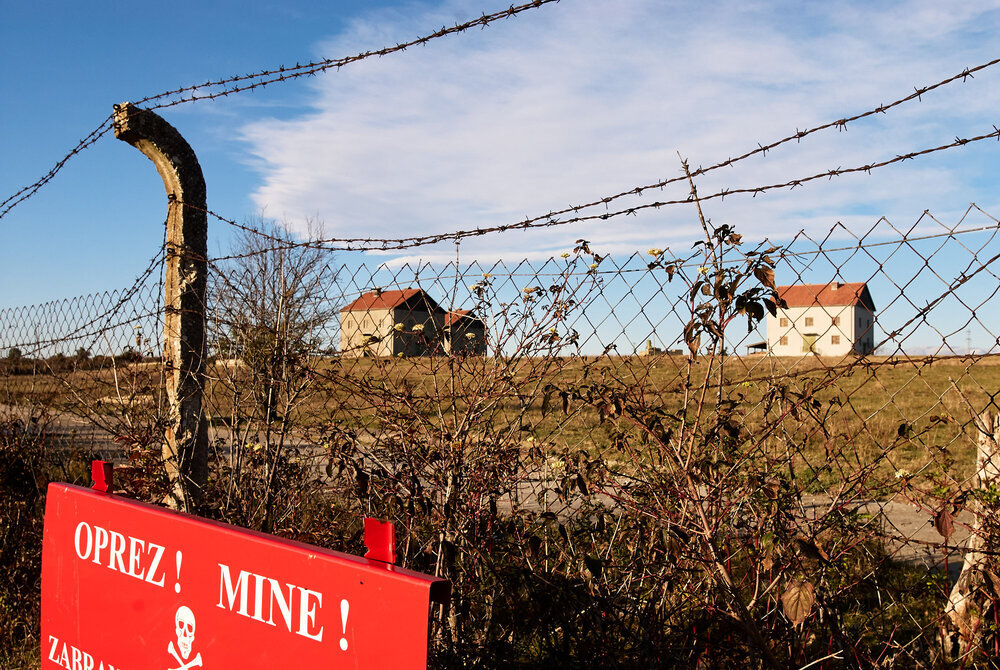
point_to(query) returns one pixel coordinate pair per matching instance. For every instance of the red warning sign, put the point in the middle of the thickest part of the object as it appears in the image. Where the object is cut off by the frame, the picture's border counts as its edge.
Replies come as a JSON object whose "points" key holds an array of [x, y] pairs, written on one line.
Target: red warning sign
{"points": [[126, 585]]}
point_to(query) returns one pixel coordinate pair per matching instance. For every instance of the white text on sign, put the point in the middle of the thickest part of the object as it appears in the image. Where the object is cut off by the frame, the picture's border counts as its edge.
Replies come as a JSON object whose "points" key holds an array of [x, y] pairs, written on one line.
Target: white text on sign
{"points": [[125, 554], [306, 602], [68, 656]]}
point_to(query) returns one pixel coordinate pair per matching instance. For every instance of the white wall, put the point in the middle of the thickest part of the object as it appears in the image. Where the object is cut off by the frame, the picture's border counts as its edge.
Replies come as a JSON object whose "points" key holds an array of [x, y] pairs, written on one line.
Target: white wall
{"points": [[822, 328]]}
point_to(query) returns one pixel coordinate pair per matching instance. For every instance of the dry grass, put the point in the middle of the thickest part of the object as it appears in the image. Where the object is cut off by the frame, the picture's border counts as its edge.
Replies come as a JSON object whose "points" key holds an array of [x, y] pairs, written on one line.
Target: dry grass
{"points": [[837, 416]]}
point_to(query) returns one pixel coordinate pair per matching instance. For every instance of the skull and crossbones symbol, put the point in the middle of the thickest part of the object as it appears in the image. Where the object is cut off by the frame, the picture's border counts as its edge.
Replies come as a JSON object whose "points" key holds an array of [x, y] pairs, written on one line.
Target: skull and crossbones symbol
{"points": [[184, 628]]}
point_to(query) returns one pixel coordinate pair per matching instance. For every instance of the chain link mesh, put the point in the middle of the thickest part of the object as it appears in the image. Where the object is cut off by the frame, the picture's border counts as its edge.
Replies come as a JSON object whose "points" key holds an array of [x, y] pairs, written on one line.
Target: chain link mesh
{"points": [[577, 391]]}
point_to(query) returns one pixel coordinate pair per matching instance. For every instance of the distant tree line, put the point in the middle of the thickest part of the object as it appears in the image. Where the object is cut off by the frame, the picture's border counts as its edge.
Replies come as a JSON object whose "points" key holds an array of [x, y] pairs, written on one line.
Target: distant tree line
{"points": [[17, 363]]}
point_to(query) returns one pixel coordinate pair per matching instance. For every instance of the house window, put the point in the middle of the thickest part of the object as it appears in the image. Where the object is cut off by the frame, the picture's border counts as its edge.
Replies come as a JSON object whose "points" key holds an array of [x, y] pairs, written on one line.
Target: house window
{"points": [[783, 322], [809, 321], [784, 340], [836, 320], [835, 339]]}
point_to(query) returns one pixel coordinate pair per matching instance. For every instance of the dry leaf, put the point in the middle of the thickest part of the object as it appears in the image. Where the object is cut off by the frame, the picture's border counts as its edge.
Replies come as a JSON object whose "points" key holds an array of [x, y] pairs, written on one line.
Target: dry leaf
{"points": [[797, 600], [771, 488], [765, 275], [944, 522], [811, 549]]}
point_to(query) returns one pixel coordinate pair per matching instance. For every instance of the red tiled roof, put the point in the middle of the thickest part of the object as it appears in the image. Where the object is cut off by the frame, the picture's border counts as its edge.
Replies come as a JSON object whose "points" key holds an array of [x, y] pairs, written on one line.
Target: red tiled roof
{"points": [[455, 315], [385, 300], [834, 294]]}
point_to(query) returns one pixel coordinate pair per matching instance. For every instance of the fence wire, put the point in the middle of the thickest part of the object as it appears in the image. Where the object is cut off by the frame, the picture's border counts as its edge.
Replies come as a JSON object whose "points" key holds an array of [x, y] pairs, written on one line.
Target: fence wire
{"points": [[244, 83], [780, 450]]}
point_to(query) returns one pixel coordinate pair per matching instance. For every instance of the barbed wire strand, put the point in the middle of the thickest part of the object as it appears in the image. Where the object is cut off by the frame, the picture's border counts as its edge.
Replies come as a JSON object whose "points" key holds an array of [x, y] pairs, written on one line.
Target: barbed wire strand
{"points": [[26, 192], [281, 74], [390, 244], [762, 149], [267, 78], [285, 74]]}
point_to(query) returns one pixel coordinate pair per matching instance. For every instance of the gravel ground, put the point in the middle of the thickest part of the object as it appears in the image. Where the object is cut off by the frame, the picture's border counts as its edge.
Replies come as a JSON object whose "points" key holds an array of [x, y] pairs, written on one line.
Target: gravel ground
{"points": [[908, 529]]}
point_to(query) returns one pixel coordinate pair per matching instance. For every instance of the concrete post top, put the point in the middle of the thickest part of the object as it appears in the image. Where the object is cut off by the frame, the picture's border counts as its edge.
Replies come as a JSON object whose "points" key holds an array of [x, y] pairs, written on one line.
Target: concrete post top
{"points": [[177, 164], [138, 126], [135, 123]]}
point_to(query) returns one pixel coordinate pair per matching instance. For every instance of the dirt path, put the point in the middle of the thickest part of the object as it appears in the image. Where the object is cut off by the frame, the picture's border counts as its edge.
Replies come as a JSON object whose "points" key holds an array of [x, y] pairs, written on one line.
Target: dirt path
{"points": [[907, 530]]}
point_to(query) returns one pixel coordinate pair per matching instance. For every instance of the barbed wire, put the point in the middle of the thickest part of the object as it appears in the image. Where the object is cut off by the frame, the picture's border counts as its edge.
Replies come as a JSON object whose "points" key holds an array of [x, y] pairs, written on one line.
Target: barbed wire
{"points": [[391, 244], [285, 74], [266, 78], [87, 329], [762, 149], [26, 192], [548, 220]]}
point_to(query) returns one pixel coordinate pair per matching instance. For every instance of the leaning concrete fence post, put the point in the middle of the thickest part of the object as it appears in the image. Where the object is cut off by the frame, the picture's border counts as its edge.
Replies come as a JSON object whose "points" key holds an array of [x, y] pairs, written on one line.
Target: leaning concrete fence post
{"points": [[979, 580], [185, 450]]}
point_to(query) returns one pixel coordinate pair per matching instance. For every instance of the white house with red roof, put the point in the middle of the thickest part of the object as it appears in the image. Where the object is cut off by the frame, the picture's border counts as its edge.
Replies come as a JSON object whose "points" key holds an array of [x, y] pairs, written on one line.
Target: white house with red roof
{"points": [[832, 319], [407, 322]]}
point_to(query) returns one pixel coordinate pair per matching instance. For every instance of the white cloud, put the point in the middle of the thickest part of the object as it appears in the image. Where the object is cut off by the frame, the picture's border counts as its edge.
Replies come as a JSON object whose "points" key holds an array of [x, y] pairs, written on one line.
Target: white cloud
{"points": [[572, 102]]}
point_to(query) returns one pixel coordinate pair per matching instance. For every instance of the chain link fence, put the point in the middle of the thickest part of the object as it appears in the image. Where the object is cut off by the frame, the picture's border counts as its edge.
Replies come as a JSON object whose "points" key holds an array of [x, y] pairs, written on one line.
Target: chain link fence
{"points": [[773, 451]]}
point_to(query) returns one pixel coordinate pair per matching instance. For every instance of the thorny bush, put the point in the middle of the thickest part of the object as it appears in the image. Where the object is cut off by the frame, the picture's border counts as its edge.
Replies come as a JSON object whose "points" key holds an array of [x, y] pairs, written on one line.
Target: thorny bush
{"points": [[28, 462], [687, 540], [693, 527]]}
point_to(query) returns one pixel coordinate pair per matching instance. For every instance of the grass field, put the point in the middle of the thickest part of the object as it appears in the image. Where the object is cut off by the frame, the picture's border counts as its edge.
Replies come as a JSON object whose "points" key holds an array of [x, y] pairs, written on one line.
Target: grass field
{"points": [[858, 428], [905, 415]]}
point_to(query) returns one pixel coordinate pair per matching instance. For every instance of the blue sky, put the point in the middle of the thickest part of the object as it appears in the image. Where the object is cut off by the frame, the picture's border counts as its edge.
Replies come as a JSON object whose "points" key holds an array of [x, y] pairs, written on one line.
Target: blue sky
{"points": [[560, 105]]}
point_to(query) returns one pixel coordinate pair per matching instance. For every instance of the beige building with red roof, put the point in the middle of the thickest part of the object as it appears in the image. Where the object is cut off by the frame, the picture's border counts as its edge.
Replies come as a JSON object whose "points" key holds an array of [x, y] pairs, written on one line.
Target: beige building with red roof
{"points": [[465, 333], [407, 322], [832, 319]]}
